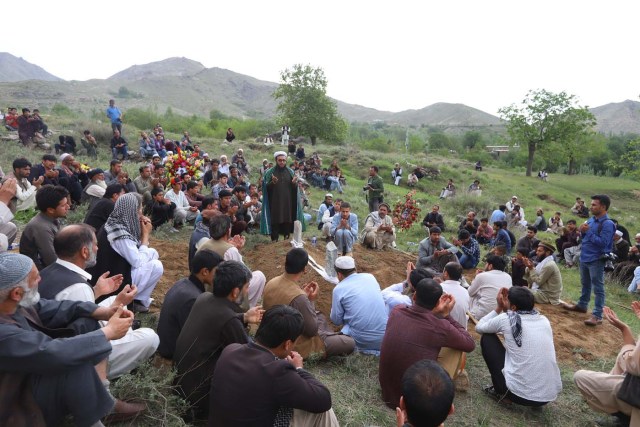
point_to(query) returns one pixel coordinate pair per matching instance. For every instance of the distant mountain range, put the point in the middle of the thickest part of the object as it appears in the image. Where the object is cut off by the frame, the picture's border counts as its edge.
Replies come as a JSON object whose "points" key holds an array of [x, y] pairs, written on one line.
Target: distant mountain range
{"points": [[188, 87]]}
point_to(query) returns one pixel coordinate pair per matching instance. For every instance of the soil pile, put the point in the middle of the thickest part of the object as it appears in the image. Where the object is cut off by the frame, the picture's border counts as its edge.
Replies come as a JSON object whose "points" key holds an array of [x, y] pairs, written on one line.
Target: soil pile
{"points": [[574, 341]]}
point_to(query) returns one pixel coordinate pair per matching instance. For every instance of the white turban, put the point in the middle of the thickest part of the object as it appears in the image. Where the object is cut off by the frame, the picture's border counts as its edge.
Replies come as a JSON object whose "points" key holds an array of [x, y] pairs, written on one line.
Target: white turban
{"points": [[279, 153]]}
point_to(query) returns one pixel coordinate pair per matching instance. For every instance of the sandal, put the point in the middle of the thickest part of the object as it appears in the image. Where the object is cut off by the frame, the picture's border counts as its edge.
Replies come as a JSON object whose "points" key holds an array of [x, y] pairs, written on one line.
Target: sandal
{"points": [[500, 398]]}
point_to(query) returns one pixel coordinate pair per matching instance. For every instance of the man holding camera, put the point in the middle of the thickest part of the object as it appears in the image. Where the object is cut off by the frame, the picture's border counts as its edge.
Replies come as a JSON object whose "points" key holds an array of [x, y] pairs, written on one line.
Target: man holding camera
{"points": [[597, 243], [375, 188]]}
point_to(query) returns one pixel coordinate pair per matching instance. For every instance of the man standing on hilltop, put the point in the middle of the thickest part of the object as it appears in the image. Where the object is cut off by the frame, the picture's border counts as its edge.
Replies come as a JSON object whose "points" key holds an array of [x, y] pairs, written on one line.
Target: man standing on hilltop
{"points": [[115, 115], [597, 242]]}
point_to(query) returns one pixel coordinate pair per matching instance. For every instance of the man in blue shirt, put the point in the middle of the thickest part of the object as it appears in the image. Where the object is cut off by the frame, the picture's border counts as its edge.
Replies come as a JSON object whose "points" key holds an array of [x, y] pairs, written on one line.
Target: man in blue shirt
{"points": [[498, 215], [344, 229], [115, 115], [357, 304], [597, 242]]}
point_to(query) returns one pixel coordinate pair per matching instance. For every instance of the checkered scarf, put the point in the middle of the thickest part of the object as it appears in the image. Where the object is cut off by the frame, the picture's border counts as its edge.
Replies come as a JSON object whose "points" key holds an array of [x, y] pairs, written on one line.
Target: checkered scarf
{"points": [[124, 223], [516, 323]]}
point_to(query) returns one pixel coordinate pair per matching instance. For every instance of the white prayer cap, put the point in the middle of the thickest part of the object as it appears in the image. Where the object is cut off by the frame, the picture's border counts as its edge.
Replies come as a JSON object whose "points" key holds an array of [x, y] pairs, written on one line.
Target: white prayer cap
{"points": [[279, 153], [13, 269], [328, 195], [64, 156], [345, 263], [618, 233], [514, 197]]}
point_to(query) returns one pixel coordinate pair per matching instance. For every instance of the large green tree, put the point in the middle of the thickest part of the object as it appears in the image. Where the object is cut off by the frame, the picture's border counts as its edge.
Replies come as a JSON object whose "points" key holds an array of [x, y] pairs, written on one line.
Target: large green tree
{"points": [[305, 106], [544, 118]]}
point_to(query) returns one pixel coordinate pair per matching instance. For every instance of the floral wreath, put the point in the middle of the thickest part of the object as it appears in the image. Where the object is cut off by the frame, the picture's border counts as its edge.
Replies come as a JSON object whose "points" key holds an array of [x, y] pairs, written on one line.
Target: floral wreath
{"points": [[406, 212], [179, 163]]}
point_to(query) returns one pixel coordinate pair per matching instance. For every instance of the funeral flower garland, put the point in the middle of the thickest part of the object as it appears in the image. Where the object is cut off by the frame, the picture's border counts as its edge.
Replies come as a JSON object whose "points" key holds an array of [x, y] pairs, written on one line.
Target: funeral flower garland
{"points": [[406, 212], [180, 162]]}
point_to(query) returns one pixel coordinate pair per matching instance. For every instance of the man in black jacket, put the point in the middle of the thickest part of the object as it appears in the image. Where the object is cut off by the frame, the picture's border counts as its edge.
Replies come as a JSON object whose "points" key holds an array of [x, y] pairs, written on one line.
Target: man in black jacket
{"points": [[280, 390]]}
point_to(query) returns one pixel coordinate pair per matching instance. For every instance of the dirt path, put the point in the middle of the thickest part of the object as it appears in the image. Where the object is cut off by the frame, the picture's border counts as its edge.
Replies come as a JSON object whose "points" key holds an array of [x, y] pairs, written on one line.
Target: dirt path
{"points": [[574, 341]]}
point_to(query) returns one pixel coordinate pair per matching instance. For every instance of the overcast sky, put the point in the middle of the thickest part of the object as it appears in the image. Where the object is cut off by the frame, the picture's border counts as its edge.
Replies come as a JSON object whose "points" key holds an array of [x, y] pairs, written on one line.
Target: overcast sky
{"points": [[391, 55]]}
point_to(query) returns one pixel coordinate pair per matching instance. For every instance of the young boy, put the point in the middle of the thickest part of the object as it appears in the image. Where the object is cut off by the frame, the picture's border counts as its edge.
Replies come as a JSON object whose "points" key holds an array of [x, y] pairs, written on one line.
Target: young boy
{"points": [[485, 232], [161, 208]]}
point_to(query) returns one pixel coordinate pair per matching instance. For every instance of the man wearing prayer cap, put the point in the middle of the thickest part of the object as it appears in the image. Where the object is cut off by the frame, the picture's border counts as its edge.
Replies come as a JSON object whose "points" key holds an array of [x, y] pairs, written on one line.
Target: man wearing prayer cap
{"points": [[358, 306], [47, 371], [281, 204]]}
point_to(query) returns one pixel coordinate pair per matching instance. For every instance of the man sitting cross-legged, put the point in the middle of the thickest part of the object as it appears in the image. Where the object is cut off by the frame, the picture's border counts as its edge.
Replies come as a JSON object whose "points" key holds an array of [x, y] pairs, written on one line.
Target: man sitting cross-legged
{"points": [[263, 383], [36, 240], [327, 218], [316, 337], [229, 249], [469, 253], [434, 252], [418, 332], [99, 213], [49, 378], [215, 321], [485, 286], [66, 279], [357, 304], [601, 389], [379, 231], [401, 293], [523, 369], [544, 278], [427, 396], [180, 298], [344, 229], [529, 241]]}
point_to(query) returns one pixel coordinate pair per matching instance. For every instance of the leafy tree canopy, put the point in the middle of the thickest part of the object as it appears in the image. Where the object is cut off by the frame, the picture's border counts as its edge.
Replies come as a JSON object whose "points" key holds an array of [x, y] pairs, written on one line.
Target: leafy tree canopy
{"points": [[305, 106], [544, 118]]}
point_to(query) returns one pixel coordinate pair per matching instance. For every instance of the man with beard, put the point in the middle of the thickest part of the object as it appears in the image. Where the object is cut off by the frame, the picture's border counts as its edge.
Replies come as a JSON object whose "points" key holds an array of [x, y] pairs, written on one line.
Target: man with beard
{"points": [[434, 252], [379, 231], [66, 279], [544, 278], [47, 378], [36, 240], [96, 188], [281, 200], [215, 321], [25, 191], [529, 242], [434, 219]]}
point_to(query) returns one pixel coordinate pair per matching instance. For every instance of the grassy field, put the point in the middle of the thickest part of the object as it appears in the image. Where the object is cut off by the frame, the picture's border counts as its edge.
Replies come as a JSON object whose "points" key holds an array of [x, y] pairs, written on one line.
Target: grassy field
{"points": [[353, 380]]}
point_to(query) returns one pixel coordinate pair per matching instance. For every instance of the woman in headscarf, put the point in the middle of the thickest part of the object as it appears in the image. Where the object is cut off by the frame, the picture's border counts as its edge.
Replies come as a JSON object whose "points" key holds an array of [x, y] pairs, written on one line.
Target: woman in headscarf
{"points": [[123, 244]]}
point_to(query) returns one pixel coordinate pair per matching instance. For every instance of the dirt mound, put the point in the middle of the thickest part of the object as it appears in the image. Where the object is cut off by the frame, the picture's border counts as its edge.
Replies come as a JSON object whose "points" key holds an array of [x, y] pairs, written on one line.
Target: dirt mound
{"points": [[387, 266], [574, 341], [174, 257]]}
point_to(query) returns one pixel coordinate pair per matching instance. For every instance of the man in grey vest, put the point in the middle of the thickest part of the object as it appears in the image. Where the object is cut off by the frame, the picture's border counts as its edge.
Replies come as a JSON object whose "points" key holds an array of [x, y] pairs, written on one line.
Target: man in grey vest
{"points": [[76, 247]]}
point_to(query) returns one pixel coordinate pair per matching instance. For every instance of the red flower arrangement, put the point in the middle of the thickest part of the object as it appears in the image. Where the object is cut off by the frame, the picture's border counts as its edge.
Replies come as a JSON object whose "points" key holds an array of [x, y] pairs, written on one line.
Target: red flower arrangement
{"points": [[406, 212], [179, 163]]}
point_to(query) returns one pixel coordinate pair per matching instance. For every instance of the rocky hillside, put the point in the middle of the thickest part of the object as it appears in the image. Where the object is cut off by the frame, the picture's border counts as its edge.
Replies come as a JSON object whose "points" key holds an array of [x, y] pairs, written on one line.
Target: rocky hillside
{"points": [[14, 69], [189, 88], [179, 67], [618, 117]]}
